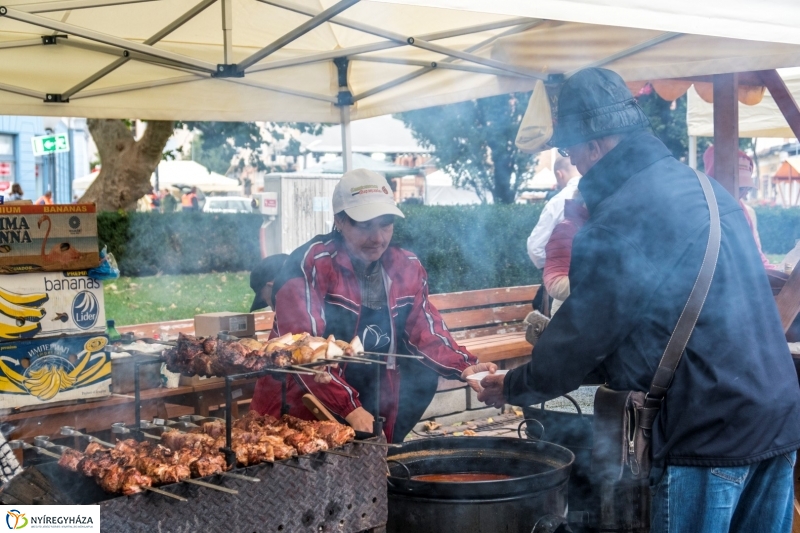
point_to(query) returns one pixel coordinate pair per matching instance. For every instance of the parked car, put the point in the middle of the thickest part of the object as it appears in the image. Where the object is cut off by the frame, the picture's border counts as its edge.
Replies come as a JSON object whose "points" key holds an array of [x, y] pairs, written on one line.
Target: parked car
{"points": [[227, 204]]}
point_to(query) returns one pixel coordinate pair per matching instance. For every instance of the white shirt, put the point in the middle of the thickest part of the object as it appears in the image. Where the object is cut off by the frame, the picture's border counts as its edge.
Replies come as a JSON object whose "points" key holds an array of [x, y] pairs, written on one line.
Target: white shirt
{"points": [[552, 214]]}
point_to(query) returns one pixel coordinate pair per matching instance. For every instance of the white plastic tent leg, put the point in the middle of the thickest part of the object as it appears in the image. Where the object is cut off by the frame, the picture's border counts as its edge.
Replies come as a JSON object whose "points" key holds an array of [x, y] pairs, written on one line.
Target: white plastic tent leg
{"points": [[347, 142]]}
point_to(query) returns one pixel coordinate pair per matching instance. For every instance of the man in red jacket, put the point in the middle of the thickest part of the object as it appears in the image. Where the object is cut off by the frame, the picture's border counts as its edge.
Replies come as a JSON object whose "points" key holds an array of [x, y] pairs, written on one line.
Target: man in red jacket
{"points": [[351, 283]]}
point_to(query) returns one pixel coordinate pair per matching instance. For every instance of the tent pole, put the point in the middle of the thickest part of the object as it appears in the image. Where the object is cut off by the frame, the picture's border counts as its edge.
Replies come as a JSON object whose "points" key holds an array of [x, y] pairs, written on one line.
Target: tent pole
{"points": [[726, 131], [375, 47], [417, 73], [347, 142], [92, 35], [435, 64], [227, 30], [692, 151], [419, 42], [69, 5], [628, 51], [280, 42]]}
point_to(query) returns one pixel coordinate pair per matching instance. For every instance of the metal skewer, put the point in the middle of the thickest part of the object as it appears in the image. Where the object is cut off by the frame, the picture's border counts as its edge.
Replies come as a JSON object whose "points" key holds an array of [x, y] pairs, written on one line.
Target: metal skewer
{"points": [[16, 444], [402, 356], [119, 428], [382, 444], [347, 358], [209, 485], [164, 493], [307, 369], [71, 431]]}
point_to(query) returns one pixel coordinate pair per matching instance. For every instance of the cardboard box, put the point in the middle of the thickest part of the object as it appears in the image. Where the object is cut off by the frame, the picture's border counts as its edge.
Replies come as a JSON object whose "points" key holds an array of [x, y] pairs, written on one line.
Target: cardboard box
{"points": [[48, 304], [42, 371], [238, 324], [48, 238]]}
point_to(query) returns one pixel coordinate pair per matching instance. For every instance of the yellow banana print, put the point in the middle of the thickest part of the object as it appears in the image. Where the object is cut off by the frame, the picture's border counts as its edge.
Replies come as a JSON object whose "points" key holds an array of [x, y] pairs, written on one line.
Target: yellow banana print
{"points": [[6, 385], [81, 364], [7, 331], [34, 299], [92, 371], [95, 344], [10, 374], [33, 314], [103, 372]]}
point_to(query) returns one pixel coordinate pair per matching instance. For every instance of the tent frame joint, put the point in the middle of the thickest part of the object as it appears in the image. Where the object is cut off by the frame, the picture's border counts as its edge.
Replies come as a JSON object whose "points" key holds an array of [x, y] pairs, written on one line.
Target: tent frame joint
{"points": [[344, 98], [55, 98], [48, 40], [555, 79], [228, 71]]}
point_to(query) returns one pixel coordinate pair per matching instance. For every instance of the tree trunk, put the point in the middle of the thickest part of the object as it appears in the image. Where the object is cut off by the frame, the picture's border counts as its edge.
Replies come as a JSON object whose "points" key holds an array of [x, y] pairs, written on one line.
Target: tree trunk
{"points": [[503, 169], [127, 164]]}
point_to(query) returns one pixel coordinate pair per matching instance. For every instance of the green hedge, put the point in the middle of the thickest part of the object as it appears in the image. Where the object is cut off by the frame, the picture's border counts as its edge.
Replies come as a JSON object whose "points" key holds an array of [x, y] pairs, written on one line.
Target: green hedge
{"points": [[180, 243], [778, 228], [471, 247], [462, 248]]}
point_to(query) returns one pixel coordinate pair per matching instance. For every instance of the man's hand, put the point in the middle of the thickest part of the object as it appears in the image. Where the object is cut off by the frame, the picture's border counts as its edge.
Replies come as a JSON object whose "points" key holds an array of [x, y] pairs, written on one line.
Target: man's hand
{"points": [[360, 420], [492, 393], [474, 369]]}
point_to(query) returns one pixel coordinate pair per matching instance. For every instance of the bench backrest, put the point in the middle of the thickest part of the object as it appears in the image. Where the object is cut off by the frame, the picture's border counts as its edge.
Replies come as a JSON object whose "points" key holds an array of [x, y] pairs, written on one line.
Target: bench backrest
{"points": [[471, 314], [468, 314]]}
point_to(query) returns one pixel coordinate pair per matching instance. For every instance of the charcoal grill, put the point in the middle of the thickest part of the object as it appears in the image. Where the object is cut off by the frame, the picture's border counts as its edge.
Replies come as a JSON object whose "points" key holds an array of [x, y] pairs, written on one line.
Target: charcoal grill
{"points": [[343, 491]]}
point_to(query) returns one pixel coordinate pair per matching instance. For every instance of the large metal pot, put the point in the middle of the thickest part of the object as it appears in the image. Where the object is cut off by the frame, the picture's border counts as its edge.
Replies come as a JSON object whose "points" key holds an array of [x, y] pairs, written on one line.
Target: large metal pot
{"points": [[536, 488]]}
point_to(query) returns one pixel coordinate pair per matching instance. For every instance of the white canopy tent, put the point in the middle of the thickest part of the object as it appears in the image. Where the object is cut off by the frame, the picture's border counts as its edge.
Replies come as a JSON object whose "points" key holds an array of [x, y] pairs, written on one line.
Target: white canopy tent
{"points": [[761, 120], [277, 59], [330, 61]]}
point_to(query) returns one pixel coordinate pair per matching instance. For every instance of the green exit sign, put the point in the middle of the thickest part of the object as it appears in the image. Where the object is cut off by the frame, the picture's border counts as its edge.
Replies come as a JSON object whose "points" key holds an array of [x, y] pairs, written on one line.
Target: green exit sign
{"points": [[50, 144]]}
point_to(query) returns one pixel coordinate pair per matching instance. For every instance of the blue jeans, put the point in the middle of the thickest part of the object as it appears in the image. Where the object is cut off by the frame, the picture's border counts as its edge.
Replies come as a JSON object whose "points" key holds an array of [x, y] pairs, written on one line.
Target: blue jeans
{"points": [[741, 499]]}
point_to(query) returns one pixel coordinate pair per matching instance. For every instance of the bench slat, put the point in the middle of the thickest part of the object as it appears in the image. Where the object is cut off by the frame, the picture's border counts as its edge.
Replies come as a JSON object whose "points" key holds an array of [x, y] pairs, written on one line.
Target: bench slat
{"points": [[486, 316], [505, 347], [487, 331], [459, 300]]}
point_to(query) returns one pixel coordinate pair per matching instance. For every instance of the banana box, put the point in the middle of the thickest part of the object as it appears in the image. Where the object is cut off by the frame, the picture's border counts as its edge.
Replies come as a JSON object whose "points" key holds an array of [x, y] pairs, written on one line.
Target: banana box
{"points": [[52, 238], [47, 304], [40, 371]]}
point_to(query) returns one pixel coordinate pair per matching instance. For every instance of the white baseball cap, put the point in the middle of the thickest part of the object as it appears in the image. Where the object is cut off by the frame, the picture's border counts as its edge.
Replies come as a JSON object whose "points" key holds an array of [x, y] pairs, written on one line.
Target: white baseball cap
{"points": [[364, 195]]}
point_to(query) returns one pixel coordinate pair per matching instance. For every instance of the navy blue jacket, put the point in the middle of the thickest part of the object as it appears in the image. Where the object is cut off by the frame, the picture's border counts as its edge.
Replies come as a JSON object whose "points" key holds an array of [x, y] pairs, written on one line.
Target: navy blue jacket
{"points": [[734, 399]]}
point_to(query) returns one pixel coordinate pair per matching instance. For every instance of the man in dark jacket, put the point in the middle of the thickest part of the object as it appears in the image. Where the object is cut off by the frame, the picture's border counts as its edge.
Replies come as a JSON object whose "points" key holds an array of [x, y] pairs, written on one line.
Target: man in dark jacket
{"points": [[725, 437]]}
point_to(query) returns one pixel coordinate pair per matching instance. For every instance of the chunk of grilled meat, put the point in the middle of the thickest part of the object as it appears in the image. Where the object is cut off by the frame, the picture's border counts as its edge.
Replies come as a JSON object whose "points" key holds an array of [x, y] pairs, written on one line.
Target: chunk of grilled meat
{"points": [[70, 459], [333, 433], [133, 481]]}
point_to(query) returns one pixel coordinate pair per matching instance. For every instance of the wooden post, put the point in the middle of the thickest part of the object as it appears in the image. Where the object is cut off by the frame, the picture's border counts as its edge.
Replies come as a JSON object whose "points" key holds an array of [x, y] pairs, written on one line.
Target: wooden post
{"points": [[726, 131], [783, 98]]}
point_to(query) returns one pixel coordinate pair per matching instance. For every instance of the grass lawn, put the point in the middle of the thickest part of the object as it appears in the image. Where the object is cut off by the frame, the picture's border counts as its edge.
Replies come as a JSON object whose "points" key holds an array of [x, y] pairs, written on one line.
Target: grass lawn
{"points": [[159, 298]]}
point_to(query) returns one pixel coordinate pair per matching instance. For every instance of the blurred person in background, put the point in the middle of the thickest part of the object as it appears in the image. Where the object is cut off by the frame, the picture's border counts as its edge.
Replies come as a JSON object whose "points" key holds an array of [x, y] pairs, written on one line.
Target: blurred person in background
{"points": [[262, 279], [352, 283], [567, 177], [746, 184], [555, 275], [45, 199], [16, 192], [189, 201], [168, 201]]}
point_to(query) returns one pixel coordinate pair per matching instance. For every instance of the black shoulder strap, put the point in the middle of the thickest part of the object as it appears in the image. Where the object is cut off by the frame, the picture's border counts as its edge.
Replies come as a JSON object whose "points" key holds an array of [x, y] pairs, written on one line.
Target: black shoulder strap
{"points": [[691, 311]]}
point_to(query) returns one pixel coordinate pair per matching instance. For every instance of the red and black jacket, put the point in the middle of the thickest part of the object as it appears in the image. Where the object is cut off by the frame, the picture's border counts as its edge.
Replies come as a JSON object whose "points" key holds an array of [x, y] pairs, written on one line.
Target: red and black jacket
{"points": [[318, 292]]}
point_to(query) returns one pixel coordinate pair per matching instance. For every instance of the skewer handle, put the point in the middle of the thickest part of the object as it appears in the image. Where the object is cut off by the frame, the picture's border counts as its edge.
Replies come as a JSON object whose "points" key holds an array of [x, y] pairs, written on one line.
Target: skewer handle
{"points": [[210, 486], [46, 452], [401, 355], [164, 493]]}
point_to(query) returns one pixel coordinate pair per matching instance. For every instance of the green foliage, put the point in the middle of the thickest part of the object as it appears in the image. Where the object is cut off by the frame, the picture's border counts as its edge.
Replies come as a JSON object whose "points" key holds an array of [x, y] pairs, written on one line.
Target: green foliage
{"points": [[219, 142], [778, 228], [180, 243], [474, 141], [474, 247]]}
